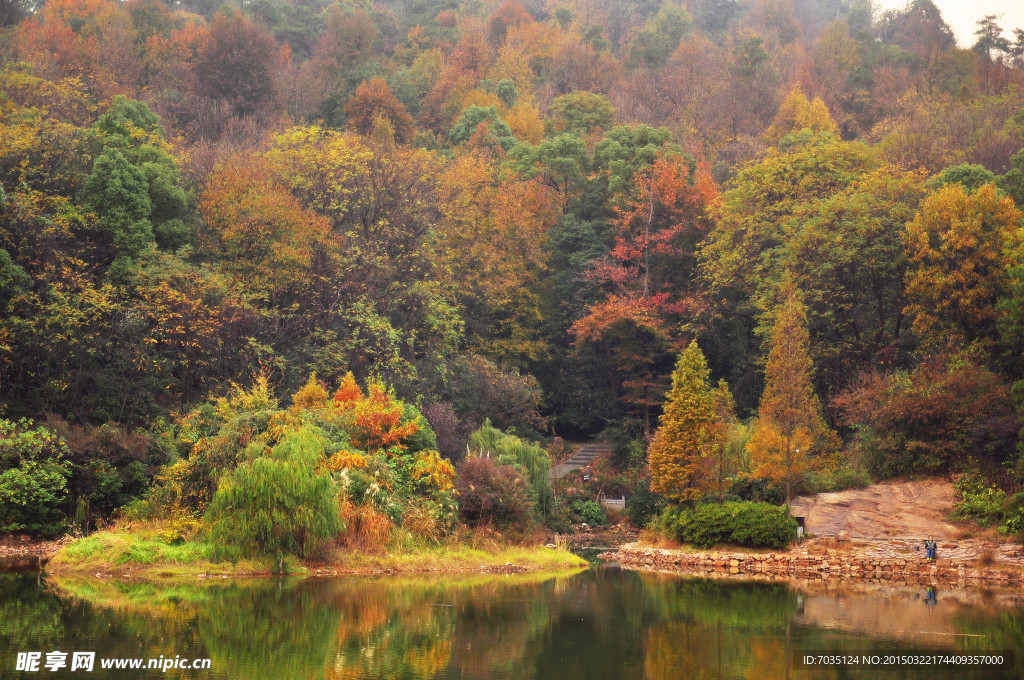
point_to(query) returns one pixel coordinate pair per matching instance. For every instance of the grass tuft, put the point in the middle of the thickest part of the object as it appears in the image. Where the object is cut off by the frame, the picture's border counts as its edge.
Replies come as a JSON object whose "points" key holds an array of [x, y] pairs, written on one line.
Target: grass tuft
{"points": [[123, 552], [141, 553]]}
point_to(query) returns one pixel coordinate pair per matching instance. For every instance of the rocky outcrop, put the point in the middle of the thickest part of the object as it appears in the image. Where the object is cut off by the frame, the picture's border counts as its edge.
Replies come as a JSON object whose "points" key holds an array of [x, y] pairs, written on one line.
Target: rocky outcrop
{"points": [[914, 509], [1004, 566]]}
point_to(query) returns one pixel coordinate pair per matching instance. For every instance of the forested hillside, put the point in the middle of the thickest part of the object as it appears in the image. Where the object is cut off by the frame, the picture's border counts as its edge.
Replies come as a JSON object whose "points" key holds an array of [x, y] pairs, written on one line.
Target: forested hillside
{"points": [[521, 211]]}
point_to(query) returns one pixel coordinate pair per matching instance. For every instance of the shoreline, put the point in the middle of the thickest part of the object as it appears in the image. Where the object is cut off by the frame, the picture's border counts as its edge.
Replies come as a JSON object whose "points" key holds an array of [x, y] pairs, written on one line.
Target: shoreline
{"points": [[892, 561]]}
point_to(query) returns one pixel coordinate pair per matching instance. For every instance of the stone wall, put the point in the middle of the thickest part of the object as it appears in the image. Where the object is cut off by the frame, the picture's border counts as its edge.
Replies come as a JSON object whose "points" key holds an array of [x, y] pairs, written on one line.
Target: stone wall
{"points": [[862, 563]]}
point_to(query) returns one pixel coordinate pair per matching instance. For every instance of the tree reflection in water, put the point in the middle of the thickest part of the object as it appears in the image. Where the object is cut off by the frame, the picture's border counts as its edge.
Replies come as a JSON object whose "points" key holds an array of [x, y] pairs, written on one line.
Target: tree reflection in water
{"points": [[600, 623]]}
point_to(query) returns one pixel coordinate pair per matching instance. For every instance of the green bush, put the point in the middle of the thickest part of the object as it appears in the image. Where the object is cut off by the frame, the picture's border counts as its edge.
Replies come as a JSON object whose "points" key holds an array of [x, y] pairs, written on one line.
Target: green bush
{"points": [[643, 505], [561, 517], [978, 501], [754, 525], [1013, 515], [757, 489], [280, 502], [838, 478], [424, 439], [34, 473], [591, 512]]}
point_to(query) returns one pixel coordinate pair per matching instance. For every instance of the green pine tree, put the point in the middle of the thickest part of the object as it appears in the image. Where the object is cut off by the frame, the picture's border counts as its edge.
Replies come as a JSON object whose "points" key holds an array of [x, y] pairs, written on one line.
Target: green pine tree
{"points": [[685, 431]]}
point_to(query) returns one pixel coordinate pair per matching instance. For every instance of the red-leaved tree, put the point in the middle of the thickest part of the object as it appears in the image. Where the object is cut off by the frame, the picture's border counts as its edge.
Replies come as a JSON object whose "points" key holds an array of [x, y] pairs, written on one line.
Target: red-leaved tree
{"points": [[647, 279]]}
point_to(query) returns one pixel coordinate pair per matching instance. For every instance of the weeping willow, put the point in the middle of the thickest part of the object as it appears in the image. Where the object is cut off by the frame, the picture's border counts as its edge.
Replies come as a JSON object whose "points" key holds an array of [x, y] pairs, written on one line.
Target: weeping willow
{"points": [[278, 502], [490, 442]]}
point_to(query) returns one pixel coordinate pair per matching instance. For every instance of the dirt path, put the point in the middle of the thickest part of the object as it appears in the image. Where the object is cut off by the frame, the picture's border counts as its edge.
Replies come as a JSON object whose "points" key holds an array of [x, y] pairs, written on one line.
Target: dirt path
{"points": [[894, 509]]}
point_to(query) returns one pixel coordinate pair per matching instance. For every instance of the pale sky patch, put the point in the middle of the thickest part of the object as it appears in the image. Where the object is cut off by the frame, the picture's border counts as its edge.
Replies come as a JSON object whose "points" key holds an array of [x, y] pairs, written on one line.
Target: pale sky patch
{"points": [[961, 15]]}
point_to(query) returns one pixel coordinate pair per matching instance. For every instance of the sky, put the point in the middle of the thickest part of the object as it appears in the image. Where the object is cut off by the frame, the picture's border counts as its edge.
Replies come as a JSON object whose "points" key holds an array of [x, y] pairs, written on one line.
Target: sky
{"points": [[962, 14]]}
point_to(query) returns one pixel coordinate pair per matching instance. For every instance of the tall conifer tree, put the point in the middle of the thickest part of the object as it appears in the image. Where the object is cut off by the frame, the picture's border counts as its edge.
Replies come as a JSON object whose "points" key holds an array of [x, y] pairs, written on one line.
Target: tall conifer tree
{"points": [[684, 433], [721, 461], [789, 425]]}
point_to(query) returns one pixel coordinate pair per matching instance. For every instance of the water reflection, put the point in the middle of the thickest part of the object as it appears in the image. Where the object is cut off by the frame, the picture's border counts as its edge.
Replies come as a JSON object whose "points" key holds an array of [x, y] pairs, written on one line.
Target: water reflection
{"points": [[600, 623]]}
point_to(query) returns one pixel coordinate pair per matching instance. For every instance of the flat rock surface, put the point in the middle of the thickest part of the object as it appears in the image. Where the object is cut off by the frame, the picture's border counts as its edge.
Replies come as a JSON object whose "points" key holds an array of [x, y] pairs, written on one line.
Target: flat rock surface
{"points": [[903, 509]]}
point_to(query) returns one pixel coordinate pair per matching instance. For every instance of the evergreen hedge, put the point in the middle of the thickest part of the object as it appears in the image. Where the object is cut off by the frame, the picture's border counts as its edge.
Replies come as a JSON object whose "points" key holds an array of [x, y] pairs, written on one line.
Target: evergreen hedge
{"points": [[754, 525]]}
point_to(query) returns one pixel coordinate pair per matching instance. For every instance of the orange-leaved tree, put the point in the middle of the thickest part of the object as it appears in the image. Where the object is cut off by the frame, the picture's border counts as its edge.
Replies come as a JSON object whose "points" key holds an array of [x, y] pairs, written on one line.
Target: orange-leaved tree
{"points": [[376, 418], [685, 433], [373, 99], [262, 233], [377, 423], [789, 427], [648, 277]]}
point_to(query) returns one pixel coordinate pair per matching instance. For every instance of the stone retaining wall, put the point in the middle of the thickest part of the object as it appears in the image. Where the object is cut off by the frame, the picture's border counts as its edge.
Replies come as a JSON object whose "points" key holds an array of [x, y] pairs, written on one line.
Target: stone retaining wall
{"points": [[833, 563]]}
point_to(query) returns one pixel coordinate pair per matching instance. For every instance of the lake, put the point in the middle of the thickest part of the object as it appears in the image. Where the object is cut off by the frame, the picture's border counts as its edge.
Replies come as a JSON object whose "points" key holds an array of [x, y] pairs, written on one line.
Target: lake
{"points": [[598, 623]]}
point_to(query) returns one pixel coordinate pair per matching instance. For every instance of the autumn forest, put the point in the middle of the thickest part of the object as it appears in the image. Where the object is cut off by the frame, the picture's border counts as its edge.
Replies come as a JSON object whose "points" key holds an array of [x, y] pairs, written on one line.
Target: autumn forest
{"points": [[409, 228]]}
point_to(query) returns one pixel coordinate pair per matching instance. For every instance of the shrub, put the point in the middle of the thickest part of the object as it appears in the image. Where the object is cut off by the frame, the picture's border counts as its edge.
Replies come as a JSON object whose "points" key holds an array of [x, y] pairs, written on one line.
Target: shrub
{"points": [[210, 444], [278, 502], [643, 505], [507, 449], [837, 472], [931, 419], [1013, 515], [33, 479], [111, 465], [982, 503], [423, 439], [480, 389], [757, 490], [591, 512], [490, 493], [560, 519], [755, 525], [450, 430], [180, 528]]}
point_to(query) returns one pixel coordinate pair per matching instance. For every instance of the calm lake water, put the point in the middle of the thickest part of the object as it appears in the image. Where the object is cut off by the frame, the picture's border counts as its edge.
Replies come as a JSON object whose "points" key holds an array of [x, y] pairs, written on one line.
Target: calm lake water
{"points": [[598, 623]]}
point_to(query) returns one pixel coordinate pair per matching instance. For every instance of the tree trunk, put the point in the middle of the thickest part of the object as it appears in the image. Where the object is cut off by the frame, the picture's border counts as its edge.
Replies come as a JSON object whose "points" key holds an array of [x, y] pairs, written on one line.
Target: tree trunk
{"points": [[789, 469]]}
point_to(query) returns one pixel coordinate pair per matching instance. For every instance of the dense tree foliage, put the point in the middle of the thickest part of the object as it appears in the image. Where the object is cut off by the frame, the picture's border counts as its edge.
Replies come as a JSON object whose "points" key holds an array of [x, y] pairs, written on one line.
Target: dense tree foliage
{"points": [[509, 211]]}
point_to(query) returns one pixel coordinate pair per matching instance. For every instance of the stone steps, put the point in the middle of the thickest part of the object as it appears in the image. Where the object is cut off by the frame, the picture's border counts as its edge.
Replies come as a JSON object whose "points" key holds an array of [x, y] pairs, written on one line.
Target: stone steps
{"points": [[583, 456]]}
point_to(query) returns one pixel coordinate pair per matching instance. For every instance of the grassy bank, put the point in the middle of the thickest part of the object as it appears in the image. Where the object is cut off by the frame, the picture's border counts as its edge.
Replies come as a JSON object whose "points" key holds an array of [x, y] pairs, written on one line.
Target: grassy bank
{"points": [[143, 555]]}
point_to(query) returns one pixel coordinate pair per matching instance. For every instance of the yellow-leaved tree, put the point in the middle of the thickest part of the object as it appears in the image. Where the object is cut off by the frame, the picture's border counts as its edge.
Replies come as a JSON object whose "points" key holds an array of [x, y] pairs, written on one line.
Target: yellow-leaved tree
{"points": [[685, 433], [789, 428], [797, 113], [962, 248], [722, 459]]}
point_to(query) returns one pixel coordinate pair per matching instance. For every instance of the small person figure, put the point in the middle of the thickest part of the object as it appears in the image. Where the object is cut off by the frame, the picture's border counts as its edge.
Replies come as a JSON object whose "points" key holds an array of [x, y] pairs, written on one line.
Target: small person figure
{"points": [[930, 547]]}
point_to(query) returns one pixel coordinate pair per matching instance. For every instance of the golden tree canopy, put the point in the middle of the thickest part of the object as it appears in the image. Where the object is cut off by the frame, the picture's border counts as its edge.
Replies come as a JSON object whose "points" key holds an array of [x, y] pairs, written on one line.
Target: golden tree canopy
{"points": [[684, 434], [789, 425]]}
